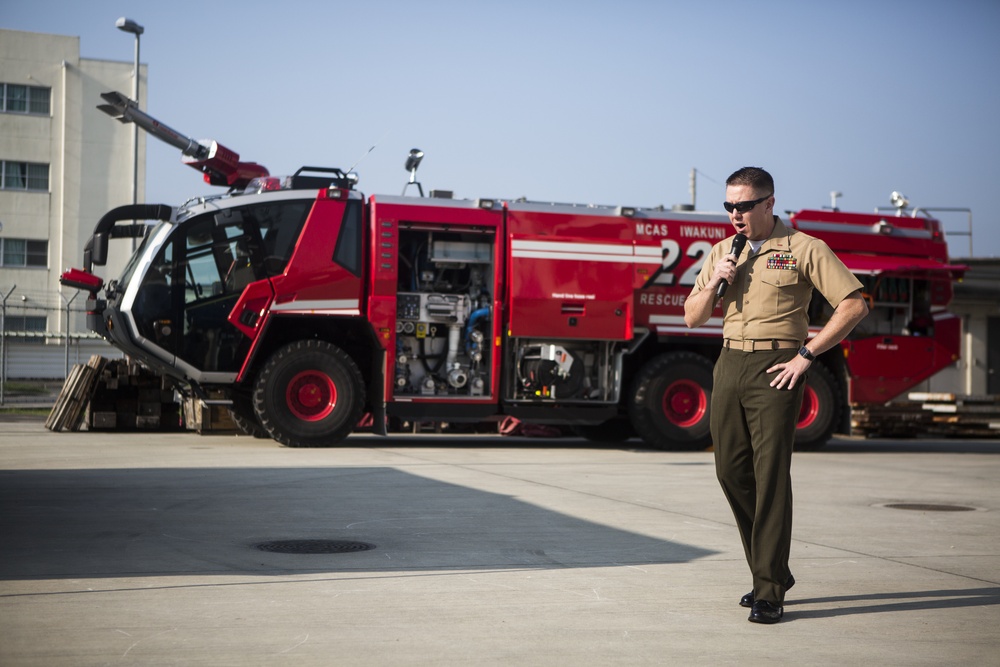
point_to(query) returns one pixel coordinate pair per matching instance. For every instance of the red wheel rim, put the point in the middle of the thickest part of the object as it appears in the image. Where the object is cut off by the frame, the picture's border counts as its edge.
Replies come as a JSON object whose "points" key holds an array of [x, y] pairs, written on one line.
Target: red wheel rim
{"points": [[311, 396], [810, 408], [684, 403]]}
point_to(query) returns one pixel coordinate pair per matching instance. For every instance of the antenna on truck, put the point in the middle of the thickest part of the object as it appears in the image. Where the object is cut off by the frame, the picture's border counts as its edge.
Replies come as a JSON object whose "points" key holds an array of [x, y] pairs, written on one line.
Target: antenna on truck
{"points": [[374, 146]]}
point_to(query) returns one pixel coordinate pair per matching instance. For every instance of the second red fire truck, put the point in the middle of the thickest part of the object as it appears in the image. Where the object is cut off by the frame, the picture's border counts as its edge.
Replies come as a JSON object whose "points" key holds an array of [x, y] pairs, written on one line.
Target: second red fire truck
{"points": [[307, 305]]}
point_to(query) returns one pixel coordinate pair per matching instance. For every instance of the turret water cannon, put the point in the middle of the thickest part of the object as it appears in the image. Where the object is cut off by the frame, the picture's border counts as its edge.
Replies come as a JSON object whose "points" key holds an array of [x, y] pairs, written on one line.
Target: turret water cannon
{"points": [[220, 165]]}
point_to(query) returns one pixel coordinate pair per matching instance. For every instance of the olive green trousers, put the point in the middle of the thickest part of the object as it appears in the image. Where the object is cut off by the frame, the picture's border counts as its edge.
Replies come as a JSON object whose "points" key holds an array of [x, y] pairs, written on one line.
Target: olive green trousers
{"points": [[753, 429]]}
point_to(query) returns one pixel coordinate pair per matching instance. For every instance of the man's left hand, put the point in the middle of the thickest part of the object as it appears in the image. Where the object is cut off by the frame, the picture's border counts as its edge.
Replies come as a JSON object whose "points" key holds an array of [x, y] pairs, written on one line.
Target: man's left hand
{"points": [[789, 372]]}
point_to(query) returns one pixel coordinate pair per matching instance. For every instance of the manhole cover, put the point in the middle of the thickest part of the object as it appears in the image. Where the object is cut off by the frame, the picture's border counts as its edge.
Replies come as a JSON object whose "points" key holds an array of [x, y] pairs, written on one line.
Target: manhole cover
{"points": [[927, 507], [313, 546]]}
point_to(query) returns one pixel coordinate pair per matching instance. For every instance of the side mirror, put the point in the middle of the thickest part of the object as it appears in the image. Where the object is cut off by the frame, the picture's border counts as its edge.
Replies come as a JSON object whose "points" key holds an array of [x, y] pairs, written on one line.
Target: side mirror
{"points": [[99, 250]]}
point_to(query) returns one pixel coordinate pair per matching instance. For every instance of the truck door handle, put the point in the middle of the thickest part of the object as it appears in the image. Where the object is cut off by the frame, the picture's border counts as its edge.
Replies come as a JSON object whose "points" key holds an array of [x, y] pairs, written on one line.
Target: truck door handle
{"points": [[572, 309]]}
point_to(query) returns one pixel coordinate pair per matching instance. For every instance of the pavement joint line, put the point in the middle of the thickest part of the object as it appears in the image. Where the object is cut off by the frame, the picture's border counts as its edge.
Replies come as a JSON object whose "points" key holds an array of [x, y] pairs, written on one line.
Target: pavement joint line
{"points": [[304, 579], [422, 573]]}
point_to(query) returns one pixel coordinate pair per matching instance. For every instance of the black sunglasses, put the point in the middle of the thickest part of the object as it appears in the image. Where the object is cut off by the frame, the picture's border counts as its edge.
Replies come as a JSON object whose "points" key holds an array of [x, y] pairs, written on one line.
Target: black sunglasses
{"points": [[743, 206]]}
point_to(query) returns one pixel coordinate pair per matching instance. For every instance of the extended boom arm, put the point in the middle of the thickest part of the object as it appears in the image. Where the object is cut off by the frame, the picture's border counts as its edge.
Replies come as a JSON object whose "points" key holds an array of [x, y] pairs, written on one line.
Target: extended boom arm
{"points": [[220, 165]]}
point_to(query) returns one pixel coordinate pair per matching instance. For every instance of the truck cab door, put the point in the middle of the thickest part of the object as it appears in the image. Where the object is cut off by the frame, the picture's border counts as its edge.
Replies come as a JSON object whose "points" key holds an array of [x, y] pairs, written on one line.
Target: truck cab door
{"points": [[182, 304]]}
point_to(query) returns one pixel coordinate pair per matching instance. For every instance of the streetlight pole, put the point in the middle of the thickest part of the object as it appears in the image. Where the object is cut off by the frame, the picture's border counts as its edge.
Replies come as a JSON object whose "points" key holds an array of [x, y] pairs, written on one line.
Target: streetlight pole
{"points": [[3, 341], [128, 25]]}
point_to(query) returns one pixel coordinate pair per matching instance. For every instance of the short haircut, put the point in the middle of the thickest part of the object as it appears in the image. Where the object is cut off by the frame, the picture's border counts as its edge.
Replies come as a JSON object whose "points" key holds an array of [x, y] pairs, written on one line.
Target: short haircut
{"points": [[755, 177]]}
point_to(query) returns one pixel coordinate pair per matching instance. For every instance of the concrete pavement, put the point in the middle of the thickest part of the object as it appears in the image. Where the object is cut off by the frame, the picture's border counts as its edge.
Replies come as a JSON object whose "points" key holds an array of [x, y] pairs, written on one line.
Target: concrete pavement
{"points": [[139, 549]]}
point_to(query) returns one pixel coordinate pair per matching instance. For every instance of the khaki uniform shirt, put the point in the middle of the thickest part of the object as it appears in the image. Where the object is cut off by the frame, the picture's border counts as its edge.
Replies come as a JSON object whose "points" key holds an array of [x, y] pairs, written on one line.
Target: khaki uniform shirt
{"points": [[769, 298]]}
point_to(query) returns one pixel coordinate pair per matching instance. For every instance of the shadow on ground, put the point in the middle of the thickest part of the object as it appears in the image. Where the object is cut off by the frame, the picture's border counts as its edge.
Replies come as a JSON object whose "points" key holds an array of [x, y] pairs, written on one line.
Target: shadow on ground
{"points": [[133, 523], [893, 602]]}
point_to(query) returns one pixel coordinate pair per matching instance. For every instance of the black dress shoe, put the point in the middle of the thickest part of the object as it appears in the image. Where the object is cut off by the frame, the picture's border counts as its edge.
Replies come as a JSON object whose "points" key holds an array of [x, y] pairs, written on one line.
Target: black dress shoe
{"points": [[765, 612], [747, 600]]}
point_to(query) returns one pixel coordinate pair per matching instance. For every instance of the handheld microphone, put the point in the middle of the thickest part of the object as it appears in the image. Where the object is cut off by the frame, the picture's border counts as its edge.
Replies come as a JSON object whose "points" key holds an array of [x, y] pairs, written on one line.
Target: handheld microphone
{"points": [[739, 242]]}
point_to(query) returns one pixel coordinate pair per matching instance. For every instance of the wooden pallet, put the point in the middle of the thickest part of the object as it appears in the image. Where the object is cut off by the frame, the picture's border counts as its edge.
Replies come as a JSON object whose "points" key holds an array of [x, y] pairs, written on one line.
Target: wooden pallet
{"points": [[114, 395], [68, 411], [937, 414], [203, 417]]}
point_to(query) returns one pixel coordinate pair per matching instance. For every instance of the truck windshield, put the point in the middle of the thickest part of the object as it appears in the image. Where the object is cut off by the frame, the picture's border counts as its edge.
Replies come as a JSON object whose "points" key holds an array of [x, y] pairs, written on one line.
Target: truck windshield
{"points": [[133, 261]]}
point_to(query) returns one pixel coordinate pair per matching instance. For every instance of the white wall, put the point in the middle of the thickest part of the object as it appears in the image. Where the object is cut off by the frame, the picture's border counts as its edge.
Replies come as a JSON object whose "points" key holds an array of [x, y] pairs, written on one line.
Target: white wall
{"points": [[89, 156]]}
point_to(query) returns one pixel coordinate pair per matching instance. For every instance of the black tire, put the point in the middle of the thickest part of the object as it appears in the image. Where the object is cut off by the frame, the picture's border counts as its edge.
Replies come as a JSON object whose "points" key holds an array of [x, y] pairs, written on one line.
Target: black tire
{"points": [[610, 432], [820, 411], [309, 394], [244, 416], [670, 399]]}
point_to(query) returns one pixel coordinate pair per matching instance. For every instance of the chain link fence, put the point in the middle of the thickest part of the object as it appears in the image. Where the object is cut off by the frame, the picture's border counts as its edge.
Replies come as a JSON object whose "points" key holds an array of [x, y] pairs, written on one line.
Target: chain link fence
{"points": [[42, 335]]}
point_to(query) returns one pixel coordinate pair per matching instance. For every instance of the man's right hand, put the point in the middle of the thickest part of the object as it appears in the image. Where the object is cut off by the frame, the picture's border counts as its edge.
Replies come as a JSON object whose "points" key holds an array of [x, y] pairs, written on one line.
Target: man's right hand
{"points": [[725, 270], [698, 307]]}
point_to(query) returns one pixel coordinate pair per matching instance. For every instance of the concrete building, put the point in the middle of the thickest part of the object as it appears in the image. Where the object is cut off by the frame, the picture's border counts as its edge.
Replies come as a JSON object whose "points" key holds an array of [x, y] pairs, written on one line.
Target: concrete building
{"points": [[64, 164], [977, 302]]}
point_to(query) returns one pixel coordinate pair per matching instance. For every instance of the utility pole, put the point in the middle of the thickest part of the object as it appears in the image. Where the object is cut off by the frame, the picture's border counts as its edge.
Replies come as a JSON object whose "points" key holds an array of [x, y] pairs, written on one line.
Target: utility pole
{"points": [[694, 187]]}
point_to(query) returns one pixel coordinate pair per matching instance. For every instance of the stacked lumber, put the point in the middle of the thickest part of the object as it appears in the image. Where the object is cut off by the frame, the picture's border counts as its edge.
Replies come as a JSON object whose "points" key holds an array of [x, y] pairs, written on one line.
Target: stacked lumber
{"points": [[68, 411], [936, 414], [122, 395], [971, 416], [211, 415], [128, 396]]}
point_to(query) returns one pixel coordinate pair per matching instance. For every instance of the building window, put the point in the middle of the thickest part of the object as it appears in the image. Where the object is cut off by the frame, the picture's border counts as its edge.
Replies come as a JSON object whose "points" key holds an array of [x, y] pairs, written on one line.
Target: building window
{"points": [[24, 253], [17, 98], [25, 176], [23, 323]]}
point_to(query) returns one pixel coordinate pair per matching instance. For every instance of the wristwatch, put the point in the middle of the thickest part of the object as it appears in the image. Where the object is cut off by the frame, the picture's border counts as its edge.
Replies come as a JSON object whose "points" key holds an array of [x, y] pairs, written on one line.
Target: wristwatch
{"points": [[806, 354]]}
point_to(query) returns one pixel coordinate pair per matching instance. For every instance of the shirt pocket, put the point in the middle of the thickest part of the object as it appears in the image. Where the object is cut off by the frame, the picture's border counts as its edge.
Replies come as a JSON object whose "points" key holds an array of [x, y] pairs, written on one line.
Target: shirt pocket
{"points": [[777, 290]]}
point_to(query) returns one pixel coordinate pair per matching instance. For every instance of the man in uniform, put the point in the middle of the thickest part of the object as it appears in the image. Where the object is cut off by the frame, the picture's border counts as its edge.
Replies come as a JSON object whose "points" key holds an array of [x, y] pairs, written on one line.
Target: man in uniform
{"points": [[759, 377]]}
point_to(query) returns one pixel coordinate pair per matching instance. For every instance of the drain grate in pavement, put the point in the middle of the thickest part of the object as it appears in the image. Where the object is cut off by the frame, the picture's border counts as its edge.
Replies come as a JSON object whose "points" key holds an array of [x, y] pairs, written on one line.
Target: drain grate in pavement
{"points": [[313, 546], [927, 507]]}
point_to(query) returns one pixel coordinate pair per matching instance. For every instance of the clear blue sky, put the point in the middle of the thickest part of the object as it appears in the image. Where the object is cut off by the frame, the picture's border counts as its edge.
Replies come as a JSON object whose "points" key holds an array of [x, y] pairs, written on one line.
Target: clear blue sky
{"points": [[585, 101]]}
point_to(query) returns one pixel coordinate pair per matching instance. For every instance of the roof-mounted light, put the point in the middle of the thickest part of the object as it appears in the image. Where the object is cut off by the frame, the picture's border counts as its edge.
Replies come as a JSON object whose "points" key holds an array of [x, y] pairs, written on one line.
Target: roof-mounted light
{"points": [[412, 162], [626, 211], [262, 184], [486, 204], [900, 201], [882, 227]]}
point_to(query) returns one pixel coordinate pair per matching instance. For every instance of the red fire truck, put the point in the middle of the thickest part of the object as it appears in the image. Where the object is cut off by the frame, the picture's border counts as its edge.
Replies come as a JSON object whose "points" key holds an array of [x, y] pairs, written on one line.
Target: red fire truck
{"points": [[307, 305]]}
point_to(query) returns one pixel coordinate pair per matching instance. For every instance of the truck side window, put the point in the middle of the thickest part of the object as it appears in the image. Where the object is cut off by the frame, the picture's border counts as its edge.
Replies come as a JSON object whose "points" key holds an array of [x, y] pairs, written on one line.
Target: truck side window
{"points": [[280, 224], [347, 253]]}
